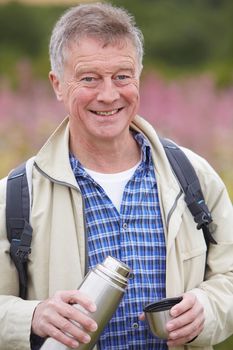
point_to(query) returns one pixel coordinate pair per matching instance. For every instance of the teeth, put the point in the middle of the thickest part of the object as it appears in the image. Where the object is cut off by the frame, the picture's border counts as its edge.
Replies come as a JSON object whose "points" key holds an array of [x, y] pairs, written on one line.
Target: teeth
{"points": [[107, 113]]}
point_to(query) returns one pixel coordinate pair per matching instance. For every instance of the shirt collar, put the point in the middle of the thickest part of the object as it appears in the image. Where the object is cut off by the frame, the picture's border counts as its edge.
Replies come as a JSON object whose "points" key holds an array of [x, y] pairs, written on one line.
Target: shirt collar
{"points": [[146, 158], [145, 147]]}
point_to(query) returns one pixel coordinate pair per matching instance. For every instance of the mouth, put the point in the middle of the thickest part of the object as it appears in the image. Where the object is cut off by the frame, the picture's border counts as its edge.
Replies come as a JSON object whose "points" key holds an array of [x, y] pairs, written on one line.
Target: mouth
{"points": [[107, 113]]}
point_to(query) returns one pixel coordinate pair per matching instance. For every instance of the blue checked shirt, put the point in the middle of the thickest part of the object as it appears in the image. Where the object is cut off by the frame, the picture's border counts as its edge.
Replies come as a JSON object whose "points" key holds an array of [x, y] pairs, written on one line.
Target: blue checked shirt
{"points": [[134, 236]]}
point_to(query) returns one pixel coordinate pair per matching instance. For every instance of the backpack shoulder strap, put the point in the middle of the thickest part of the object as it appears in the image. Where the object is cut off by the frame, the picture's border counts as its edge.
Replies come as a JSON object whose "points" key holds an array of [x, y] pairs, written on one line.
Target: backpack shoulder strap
{"points": [[19, 231], [190, 184]]}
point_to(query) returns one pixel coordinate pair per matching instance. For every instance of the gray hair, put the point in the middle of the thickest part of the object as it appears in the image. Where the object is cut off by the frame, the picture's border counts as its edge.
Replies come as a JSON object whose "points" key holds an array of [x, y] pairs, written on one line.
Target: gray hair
{"points": [[99, 20]]}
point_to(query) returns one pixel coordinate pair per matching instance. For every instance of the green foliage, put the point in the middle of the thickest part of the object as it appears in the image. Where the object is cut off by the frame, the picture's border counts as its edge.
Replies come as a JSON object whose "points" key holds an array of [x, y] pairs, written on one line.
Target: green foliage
{"points": [[25, 32], [227, 345], [180, 35], [194, 34], [19, 29]]}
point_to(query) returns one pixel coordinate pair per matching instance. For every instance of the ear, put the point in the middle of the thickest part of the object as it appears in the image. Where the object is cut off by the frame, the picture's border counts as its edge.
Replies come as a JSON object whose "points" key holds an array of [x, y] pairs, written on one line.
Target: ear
{"points": [[57, 85]]}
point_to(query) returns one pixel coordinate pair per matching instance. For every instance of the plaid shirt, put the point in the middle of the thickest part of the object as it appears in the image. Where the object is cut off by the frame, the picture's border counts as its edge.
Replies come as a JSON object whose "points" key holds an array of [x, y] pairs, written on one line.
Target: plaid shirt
{"points": [[134, 236]]}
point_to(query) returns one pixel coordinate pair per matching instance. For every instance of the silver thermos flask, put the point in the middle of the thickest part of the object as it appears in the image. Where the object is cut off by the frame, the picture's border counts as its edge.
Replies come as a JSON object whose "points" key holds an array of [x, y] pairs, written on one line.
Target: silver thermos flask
{"points": [[105, 285]]}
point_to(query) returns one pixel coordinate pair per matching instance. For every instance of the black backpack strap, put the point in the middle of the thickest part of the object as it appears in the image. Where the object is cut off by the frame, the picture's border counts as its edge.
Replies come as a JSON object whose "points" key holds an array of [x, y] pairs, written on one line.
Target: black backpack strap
{"points": [[19, 231], [191, 187]]}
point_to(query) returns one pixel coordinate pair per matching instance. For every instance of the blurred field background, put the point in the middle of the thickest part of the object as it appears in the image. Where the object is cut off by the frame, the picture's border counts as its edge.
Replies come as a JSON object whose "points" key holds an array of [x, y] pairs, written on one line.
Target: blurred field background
{"points": [[186, 87]]}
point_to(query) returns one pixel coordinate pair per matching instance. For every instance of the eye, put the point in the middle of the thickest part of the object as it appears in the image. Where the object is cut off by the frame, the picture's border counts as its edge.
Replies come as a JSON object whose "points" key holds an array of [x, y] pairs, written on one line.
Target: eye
{"points": [[122, 77], [88, 79]]}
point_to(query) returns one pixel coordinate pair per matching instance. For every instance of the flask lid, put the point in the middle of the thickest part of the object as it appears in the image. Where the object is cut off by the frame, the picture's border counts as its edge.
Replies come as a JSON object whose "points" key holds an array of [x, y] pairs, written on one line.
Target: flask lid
{"points": [[116, 266]]}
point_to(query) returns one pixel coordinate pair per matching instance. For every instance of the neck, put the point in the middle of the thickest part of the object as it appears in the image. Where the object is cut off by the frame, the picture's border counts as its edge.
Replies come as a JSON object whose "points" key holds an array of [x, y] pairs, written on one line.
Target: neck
{"points": [[107, 156]]}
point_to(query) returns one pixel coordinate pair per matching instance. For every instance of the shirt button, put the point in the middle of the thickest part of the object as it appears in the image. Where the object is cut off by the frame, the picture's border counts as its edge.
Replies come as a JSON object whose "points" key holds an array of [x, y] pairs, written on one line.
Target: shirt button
{"points": [[131, 276], [125, 226], [135, 325]]}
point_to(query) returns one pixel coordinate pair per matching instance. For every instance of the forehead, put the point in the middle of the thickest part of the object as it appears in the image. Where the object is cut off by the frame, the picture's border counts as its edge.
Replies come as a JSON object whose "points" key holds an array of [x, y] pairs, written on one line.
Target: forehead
{"points": [[90, 53]]}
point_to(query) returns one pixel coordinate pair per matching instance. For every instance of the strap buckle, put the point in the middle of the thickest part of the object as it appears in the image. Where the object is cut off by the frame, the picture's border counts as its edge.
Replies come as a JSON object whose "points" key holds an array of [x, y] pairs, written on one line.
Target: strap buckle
{"points": [[22, 253], [203, 218]]}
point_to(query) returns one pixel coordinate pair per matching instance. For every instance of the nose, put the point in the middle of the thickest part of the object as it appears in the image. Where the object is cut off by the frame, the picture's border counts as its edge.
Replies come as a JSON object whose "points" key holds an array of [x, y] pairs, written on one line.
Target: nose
{"points": [[108, 92]]}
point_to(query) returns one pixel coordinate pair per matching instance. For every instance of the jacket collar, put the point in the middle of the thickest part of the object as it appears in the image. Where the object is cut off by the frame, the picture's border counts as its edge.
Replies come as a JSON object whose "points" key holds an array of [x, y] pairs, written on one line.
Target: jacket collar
{"points": [[168, 186], [53, 158], [53, 161]]}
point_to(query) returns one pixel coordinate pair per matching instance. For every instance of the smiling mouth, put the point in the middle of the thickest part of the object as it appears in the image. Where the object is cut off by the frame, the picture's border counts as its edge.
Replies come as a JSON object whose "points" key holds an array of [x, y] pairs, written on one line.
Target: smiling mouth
{"points": [[107, 113]]}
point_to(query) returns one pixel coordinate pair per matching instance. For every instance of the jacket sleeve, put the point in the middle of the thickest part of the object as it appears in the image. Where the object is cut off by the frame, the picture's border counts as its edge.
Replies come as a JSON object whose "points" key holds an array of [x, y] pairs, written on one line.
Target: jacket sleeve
{"points": [[15, 313], [216, 291]]}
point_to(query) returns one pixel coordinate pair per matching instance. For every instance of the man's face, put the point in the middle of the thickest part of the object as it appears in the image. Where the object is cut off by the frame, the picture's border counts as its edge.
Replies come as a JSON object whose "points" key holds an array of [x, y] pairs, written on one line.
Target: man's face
{"points": [[100, 88]]}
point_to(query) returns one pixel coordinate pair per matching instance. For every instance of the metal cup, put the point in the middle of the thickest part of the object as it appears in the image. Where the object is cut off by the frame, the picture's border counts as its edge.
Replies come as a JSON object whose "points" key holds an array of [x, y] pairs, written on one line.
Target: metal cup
{"points": [[158, 314]]}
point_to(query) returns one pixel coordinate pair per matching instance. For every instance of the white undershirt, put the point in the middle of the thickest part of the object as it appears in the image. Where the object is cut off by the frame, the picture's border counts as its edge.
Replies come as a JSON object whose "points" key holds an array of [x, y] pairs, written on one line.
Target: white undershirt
{"points": [[113, 184]]}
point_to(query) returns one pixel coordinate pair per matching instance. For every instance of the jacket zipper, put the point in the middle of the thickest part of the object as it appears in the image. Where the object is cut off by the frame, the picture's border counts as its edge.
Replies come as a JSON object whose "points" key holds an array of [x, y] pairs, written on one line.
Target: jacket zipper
{"points": [[63, 183], [174, 206]]}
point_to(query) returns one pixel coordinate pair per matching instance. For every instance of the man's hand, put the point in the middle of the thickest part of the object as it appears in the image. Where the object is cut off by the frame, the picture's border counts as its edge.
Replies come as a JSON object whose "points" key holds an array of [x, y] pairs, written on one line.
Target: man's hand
{"points": [[57, 318], [188, 320]]}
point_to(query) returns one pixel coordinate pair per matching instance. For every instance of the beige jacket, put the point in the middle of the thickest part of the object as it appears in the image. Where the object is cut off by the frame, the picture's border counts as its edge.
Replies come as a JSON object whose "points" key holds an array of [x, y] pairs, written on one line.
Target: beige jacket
{"points": [[57, 260]]}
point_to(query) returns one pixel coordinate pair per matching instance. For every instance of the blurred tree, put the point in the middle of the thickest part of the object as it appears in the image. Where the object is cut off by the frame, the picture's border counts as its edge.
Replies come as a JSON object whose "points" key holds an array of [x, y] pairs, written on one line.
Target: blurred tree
{"points": [[180, 35], [19, 29]]}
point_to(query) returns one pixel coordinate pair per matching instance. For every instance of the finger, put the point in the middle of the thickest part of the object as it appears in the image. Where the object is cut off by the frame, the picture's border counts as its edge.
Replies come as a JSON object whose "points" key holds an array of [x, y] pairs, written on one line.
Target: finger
{"points": [[79, 317], [192, 314], [185, 304], [49, 311], [180, 341], [142, 316], [56, 325], [188, 317], [185, 334], [63, 338], [76, 297], [70, 329], [55, 310]]}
